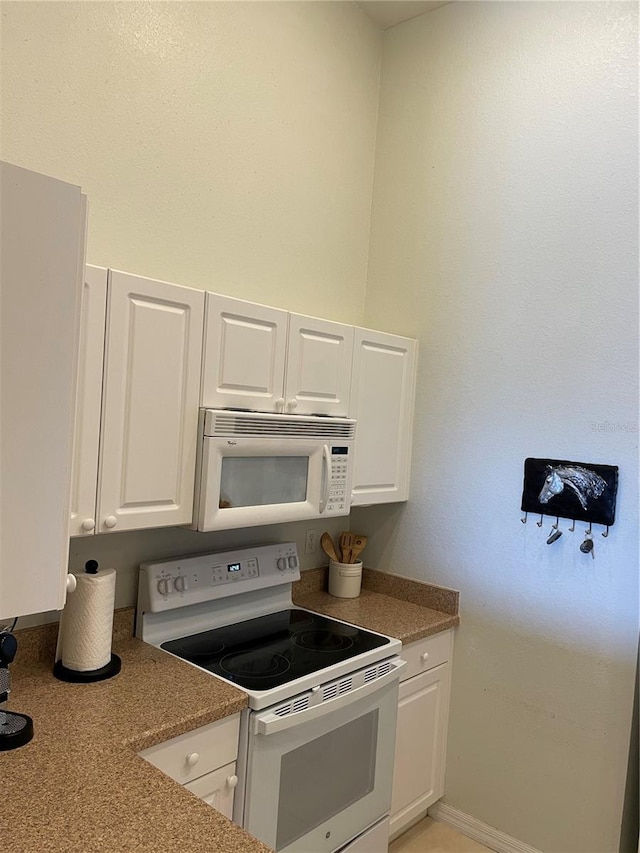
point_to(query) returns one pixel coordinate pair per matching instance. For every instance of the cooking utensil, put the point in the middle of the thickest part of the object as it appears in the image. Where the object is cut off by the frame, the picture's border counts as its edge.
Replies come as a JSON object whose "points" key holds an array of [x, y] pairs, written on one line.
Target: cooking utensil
{"points": [[326, 543], [346, 540], [358, 544]]}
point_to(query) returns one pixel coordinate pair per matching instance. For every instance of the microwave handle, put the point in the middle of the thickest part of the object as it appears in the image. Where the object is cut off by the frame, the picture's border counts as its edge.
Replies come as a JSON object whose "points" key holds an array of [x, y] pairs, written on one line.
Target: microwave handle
{"points": [[326, 462]]}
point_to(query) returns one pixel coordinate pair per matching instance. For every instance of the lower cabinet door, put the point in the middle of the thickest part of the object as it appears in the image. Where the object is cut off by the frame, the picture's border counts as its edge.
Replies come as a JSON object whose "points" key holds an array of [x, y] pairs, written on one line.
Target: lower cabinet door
{"points": [[418, 779], [217, 788]]}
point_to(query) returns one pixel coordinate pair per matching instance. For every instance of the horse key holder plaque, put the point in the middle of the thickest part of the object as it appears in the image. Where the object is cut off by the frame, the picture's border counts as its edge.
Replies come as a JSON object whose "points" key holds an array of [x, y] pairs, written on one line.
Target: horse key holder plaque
{"points": [[574, 490]]}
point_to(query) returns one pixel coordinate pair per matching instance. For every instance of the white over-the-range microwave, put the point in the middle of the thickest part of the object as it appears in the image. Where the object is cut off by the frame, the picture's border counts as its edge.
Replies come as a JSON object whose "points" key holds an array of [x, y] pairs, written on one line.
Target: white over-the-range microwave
{"points": [[256, 468]]}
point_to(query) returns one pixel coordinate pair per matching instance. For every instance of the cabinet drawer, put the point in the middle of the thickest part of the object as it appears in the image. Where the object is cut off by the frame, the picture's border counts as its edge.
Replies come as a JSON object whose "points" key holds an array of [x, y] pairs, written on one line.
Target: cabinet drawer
{"points": [[195, 753], [425, 654]]}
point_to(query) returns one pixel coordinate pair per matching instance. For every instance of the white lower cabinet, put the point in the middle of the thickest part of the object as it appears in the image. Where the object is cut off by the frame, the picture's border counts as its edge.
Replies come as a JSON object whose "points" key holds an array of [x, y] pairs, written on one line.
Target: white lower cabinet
{"points": [[204, 761], [217, 788], [421, 739]]}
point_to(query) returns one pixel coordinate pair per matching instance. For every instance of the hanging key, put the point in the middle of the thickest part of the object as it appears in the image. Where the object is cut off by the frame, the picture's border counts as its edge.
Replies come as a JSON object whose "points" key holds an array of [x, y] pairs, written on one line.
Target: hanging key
{"points": [[587, 547], [555, 533]]}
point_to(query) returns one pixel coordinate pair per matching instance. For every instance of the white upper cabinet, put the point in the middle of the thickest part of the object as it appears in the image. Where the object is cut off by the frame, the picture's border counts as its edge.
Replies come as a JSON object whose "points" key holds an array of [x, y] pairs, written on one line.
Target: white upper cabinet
{"points": [[245, 349], [87, 427], [382, 396], [318, 376], [268, 360], [150, 403], [42, 235]]}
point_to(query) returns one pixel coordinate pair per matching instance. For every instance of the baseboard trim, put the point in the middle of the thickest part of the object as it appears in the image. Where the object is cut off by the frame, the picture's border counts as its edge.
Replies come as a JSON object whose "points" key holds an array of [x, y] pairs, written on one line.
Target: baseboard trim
{"points": [[478, 831]]}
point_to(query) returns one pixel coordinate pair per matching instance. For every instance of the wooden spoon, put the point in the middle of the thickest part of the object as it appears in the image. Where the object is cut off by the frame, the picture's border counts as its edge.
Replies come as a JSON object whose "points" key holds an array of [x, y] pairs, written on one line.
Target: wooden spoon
{"points": [[357, 546], [326, 543], [345, 546]]}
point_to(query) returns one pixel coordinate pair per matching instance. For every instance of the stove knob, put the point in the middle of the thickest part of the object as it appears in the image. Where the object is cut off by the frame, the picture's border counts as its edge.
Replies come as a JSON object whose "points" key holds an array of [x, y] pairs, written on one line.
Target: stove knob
{"points": [[293, 562], [180, 583], [281, 563], [163, 586]]}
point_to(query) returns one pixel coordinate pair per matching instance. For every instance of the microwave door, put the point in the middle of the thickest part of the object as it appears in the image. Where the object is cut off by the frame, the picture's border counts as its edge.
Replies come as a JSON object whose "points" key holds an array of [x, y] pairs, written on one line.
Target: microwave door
{"points": [[248, 482]]}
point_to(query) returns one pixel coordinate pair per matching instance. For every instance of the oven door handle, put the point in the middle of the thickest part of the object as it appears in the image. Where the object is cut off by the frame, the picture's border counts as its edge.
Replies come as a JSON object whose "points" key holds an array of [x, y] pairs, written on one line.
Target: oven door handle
{"points": [[271, 723]]}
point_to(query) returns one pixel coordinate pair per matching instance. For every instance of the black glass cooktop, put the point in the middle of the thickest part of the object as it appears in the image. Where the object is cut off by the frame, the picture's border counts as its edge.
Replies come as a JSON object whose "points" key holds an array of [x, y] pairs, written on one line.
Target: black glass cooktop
{"points": [[263, 653]]}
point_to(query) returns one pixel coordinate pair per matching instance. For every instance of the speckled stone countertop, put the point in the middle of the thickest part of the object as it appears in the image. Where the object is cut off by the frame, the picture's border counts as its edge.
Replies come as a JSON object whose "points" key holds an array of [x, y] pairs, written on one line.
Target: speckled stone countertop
{"points": [[79, 786], [390, 604]]}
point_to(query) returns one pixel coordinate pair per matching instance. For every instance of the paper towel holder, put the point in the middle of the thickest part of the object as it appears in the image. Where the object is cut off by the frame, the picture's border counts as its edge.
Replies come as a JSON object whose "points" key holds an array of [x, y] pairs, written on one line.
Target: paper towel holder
{"points": [[76, 676]]}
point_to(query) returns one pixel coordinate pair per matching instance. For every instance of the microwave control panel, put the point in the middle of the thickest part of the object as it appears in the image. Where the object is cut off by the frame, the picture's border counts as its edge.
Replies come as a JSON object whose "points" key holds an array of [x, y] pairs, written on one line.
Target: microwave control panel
{"points": [[339, 487]]}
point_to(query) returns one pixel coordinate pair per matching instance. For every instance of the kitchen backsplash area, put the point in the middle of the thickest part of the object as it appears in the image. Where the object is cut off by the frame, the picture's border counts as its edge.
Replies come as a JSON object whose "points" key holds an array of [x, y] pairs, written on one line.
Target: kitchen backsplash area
{"points": [[126, 550]]}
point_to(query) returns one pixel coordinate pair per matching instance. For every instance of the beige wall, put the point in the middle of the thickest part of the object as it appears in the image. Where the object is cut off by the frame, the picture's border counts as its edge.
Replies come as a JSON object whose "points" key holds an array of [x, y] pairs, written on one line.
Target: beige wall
{"points": [[223, 145], [504, 236]]}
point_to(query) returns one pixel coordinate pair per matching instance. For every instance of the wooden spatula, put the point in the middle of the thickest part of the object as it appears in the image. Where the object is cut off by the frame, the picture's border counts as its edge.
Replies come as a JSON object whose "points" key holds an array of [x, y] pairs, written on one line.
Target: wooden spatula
{"points": [[326, 543], [357, 546], [345, 546]]}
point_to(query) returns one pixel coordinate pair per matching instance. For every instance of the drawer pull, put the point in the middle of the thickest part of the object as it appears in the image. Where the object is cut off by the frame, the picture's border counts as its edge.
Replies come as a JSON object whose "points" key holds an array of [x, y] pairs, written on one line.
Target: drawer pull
{"points": [[232, 781], [424, 657], [192, 759]]}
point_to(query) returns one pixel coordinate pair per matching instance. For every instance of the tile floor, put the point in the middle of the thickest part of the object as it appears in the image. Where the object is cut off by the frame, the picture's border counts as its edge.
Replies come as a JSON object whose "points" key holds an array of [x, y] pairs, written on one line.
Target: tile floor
{"points": [[429, 836]]}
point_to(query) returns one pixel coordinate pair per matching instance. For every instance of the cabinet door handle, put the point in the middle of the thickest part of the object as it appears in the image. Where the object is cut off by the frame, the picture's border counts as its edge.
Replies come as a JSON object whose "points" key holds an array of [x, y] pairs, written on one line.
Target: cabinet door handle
{"points": [[110, 521], [232, 781], [88, 524], [292, 404], [71, 583], [192, 759], [424, 657], [280, 404]]}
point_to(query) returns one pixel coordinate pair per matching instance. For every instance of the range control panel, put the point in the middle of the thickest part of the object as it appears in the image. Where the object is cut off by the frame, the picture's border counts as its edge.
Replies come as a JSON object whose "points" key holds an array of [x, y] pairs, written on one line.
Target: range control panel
{"points": [[204, 577]]}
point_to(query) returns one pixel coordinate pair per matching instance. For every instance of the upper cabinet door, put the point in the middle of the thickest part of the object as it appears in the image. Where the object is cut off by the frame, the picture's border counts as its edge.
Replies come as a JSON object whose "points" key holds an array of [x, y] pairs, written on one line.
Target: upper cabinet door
{"points": [[87, 427], [150, 403], [42, 233], [244, 355], [318, 376], [382, 395]]}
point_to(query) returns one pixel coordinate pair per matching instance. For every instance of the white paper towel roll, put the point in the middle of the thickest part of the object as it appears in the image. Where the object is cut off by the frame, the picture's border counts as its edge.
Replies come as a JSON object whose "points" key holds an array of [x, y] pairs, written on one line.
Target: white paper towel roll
{"points": [[86, 625]]}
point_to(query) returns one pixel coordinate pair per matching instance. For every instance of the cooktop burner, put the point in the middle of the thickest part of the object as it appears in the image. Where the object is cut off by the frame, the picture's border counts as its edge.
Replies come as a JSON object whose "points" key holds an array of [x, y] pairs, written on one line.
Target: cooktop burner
{"points": [[264, 653]]}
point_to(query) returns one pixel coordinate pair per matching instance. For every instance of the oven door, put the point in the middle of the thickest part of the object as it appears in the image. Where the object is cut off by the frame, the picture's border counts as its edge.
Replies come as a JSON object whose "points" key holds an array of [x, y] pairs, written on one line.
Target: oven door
{"points": [[315, 779]]}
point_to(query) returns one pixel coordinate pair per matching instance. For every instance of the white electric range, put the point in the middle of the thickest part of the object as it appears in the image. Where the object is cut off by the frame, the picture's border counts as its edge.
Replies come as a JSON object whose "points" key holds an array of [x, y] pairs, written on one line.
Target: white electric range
{"points": [[317, 742]]}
